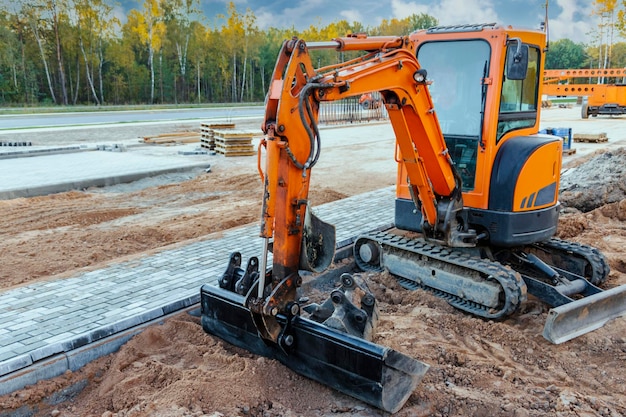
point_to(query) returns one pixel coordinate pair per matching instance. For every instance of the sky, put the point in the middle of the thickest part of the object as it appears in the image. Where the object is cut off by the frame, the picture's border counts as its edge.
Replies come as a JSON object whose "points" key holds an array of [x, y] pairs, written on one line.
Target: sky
{"points": [[570, 19]]}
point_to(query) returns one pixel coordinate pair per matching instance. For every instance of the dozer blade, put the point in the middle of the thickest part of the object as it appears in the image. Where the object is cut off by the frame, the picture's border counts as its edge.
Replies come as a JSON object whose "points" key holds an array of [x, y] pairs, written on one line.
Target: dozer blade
{"points": [[377, 375], [584, 315]]}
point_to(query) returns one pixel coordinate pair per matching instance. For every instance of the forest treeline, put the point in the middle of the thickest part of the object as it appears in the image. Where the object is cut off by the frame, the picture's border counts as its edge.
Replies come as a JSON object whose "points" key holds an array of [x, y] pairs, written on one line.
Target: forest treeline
{"points": [[69, 52]]}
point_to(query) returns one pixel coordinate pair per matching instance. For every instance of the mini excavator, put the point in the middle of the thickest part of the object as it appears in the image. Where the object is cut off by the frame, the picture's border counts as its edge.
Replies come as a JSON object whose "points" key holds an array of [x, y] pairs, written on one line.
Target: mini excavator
{"points": [[476, 207]]}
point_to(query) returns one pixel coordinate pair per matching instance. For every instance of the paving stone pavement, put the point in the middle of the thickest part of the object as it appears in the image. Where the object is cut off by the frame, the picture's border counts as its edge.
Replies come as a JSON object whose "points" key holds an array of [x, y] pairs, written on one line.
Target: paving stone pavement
{"points": [[49, 327]]}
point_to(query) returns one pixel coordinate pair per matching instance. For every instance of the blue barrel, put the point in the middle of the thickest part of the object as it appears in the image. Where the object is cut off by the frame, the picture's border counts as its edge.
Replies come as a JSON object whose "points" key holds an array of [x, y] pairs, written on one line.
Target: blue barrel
{"points": [[566, 134]]}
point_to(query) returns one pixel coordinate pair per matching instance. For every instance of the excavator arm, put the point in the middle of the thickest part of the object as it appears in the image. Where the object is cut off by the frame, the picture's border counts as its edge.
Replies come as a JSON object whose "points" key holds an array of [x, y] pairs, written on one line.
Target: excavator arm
{"points": [[392, 69], [292, 145]]}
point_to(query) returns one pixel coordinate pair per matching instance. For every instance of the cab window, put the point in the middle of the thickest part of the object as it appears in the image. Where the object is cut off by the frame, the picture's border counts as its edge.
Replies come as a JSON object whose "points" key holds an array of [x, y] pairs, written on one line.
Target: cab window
{"points": [[518, 101], [457, 70]]}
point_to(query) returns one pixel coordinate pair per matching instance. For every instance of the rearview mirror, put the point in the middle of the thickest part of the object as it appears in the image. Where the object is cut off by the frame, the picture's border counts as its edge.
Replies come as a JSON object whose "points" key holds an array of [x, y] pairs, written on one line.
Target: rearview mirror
{"points": [[516, 60]]}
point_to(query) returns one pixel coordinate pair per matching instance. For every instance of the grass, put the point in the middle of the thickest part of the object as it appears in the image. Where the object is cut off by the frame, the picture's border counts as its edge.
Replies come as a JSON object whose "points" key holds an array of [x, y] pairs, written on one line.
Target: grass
{"points": [[130, 107]]}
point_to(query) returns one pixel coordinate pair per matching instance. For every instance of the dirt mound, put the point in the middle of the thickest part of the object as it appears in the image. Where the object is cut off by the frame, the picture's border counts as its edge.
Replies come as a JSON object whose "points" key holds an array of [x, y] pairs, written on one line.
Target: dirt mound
{"points": [[598, 180]]}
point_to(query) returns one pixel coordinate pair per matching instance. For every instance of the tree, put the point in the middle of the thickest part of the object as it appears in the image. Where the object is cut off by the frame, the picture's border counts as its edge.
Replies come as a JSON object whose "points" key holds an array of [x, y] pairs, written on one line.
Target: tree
{"points": [[70, 51], [9, 60], [198, 54], [607, 11], [125, 75], [232, 34], [566, 54], [148, 24], [619, 55], [27, 74], [405, 26], [58, 10], [177, 16], [249, 49], [85, 22], [421, 21], [32, 15], [94, 24]]}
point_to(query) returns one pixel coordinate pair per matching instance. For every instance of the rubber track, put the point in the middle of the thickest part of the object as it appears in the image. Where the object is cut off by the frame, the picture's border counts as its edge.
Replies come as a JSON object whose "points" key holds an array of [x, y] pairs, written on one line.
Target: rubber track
{"points": [[596, 260], [511, 283]]}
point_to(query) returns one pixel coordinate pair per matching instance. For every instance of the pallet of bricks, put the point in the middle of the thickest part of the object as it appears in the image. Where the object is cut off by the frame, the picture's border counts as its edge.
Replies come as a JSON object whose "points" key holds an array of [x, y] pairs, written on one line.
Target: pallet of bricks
{"points": [[172, 138], [593, 137], [207, 133], [234, 142]]}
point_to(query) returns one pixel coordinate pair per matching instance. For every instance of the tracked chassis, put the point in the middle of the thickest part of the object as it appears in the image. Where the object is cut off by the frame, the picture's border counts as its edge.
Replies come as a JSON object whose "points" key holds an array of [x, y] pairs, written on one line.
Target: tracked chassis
{"points": [[480, 287], [492, 282]]}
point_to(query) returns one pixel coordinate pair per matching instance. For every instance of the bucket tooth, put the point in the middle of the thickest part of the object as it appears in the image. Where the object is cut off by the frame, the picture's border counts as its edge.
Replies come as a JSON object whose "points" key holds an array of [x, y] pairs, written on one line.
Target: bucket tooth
{"points": [[375, 374]]}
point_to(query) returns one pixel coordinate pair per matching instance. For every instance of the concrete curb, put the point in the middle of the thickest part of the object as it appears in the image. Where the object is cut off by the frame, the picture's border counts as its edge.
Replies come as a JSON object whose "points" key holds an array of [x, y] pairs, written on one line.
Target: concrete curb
{"points": [[92, 182], [38, 152]]}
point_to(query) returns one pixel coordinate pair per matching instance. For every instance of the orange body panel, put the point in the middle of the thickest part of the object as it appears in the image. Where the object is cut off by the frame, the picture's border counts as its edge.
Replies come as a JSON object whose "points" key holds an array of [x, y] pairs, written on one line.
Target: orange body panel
{"points": [[609, 94], [544, 168], [599, 94], [570, 89], [564, 74]]}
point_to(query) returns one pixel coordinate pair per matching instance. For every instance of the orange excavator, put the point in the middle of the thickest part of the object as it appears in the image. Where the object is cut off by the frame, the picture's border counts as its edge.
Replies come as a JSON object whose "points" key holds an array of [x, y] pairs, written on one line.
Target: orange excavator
{"points": [[475, 215]]}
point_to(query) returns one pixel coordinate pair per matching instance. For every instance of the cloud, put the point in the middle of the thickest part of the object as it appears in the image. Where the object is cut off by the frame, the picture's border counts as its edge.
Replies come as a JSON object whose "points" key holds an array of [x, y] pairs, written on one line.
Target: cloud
{"points": [[272, 15], [574, 21], [568, 18], [266, 20], [448, 12], [401, 9], [352, 15]]}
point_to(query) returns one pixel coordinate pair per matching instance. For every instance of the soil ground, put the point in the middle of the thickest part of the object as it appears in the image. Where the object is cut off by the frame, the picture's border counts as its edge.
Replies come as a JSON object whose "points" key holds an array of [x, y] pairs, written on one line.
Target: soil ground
{"points": [[478, 367]]}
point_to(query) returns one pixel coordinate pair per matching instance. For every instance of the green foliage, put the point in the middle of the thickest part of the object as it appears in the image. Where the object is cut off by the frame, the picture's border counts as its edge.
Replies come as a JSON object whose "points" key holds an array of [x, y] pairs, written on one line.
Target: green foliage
{"points": [[422, 21], [618, 56], [164, 52], [566, 54], [406, 25]]}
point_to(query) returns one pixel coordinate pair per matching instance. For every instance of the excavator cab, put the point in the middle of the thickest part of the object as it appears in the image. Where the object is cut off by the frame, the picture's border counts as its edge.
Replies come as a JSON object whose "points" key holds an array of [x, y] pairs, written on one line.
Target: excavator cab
{"points": [[495, 120]]}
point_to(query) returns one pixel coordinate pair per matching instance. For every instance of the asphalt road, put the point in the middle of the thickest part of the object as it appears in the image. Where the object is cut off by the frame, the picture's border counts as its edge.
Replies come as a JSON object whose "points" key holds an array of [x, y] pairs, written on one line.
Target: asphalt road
{"points": [[29, 121]]}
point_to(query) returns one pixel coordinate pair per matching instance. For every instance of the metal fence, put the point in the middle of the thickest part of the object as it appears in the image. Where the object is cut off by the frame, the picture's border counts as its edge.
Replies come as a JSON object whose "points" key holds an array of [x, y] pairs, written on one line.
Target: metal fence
{"points": [[350, 110]]}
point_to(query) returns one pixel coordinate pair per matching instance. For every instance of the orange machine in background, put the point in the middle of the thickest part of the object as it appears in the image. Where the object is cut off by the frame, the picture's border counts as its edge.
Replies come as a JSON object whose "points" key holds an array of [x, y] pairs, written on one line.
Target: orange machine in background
{"points": [[600, 98]]}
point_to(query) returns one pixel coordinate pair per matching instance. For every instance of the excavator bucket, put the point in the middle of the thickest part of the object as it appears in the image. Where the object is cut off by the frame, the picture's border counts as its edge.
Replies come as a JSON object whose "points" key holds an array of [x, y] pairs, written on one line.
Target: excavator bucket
{"points": [[377, 375], [578, 317]]}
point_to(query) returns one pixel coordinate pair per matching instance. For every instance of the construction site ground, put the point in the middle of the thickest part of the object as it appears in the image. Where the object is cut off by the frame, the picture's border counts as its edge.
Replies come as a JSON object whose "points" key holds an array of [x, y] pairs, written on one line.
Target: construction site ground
{"points": [[172, 368]]}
